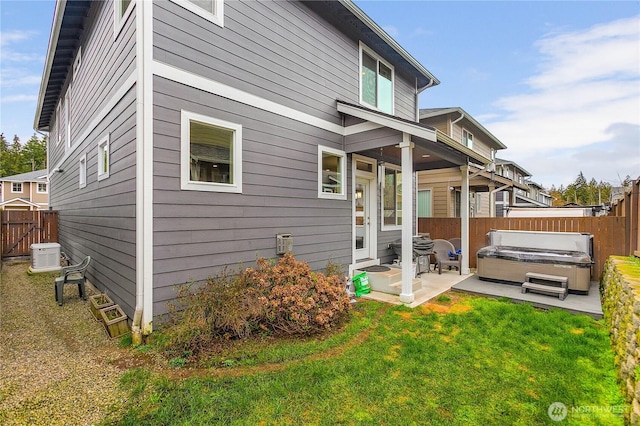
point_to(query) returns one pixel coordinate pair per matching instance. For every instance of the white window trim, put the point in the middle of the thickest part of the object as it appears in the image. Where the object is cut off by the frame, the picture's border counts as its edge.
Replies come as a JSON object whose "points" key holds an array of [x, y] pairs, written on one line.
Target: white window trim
{"points": [[185, 158], [76, 63], [343, 173], [365, 48], [67, 116], [38, 188], [383, 180], [58, 123], [21, 187], [217, 17], [118, 21], [82, 171], [465, 141], [103, 143]]}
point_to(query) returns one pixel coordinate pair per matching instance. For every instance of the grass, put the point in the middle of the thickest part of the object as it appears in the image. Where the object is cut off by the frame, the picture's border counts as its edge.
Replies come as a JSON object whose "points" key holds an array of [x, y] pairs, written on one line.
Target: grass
{"points": [[464, 361]]}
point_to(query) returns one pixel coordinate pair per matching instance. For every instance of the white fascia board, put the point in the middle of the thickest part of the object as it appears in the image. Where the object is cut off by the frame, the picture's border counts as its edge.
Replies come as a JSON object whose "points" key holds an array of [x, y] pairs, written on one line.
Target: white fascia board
{"points": [[389, 122], [51, 50]]}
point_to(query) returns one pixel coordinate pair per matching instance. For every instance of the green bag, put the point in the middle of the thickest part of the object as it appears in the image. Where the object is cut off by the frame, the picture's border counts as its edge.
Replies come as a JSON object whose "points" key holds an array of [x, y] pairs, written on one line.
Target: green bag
{"points": [[361, 284]]}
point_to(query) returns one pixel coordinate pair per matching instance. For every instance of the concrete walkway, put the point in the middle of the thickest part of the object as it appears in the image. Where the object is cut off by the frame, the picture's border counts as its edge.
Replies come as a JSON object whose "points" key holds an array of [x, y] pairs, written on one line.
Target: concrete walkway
{"points": [[576, 303]]}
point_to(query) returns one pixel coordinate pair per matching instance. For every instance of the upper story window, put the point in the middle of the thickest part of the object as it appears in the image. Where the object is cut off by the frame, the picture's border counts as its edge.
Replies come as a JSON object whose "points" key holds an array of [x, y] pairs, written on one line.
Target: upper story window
{"points": [[467, 139], [67, 116], [58, 123], [16, 187], [122, 10], [82, 171], [42, 188], [332, 172], [392, 198], [376, 81], [211, 10], [211, 154], [77, 62], [103, 158]]}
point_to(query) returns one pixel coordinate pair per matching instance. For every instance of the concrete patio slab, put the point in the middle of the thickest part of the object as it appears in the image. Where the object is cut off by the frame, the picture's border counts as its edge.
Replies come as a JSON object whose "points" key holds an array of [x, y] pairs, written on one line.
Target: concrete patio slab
{"points": [[433, 284], [575, 303]]}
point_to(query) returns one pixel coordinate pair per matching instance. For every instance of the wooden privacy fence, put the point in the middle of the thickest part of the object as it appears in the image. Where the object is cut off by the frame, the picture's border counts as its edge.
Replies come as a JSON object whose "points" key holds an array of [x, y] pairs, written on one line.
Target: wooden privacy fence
{"points": [[608, 232], [20, 229]]}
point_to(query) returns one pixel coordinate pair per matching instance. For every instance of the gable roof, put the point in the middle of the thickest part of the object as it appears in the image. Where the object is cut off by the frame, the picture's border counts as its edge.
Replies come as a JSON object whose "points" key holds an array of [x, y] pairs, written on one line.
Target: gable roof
{"points": [[15, 201], [435, 112], [35, 176], [500, 161]]}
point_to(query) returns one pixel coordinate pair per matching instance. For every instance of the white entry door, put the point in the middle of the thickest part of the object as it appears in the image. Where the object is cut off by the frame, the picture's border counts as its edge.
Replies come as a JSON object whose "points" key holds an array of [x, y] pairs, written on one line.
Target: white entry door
{"points": [[362, 218]]}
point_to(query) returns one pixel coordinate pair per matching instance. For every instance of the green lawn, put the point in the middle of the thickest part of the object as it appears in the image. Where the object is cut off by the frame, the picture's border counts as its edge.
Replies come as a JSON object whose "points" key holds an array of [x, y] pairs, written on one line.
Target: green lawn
{"points": [[474, 361]]}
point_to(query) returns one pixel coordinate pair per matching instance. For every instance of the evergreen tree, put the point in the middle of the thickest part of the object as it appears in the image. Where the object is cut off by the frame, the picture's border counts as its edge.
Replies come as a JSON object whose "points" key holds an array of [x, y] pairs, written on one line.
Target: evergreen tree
{"points": [[34, 153]]}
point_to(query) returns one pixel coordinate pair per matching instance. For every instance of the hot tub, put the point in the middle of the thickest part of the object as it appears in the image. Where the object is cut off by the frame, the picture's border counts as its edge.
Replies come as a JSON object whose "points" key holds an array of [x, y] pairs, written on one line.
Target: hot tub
{"points": [[511, 254]]}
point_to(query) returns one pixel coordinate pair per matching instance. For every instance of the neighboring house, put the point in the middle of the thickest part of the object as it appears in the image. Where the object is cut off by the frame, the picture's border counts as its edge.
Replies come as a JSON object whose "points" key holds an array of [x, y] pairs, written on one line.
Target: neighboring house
{"points": [[189, 135], [440, 190], [523, 193], [26, 191]]}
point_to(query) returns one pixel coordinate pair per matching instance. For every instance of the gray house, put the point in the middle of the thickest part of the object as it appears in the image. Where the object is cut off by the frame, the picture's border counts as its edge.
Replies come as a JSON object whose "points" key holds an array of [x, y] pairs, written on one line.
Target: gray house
{"points": [[184, 136]]}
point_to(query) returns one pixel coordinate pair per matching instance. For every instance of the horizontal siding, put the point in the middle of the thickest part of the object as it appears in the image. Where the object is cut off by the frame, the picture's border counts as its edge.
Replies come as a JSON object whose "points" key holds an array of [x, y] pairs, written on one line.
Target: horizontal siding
{"points": [[99, 220], [197, 233], [281, 51], [105, 65]]}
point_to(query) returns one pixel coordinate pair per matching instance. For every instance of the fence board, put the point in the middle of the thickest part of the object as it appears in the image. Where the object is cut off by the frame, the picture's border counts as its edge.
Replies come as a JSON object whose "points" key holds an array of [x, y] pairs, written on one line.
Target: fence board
{"points": [[608, 232], [20, 229]]}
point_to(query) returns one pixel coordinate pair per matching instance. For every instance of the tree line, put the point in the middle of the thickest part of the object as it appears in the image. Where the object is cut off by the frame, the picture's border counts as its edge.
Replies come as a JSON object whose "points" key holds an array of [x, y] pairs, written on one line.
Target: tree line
{"points": [[16, 158], [585, 193]]}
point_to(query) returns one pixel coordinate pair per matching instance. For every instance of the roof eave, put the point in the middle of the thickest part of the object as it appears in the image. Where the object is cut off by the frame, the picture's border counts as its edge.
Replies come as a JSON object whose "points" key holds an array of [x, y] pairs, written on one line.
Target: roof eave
{"points": [[53, 41]]}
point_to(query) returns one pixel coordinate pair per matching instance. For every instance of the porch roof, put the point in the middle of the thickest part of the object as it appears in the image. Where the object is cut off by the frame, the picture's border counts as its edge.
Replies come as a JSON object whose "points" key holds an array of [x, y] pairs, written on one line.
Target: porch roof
{"points": [[380, 131]]}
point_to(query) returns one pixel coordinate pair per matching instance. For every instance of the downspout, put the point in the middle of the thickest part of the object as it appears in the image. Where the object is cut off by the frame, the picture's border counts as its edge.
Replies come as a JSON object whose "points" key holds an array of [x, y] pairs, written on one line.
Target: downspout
{"points": [[454, 122], [418, 91]]}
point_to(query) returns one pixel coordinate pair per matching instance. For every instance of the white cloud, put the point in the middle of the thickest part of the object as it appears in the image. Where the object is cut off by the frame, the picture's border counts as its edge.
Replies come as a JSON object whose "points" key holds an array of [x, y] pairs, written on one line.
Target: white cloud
{"points": [[586, 88], [10, 37], [19, 98], [14, 77]]}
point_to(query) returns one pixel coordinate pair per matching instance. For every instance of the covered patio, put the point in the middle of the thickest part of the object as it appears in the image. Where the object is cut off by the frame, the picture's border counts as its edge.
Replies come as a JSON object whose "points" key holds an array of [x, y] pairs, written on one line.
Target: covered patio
{"points": [[382, 141]]}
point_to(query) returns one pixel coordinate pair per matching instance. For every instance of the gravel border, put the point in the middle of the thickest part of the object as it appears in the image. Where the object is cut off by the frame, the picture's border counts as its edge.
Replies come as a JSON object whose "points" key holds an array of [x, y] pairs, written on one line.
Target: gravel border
{"points": [[57, 364]]}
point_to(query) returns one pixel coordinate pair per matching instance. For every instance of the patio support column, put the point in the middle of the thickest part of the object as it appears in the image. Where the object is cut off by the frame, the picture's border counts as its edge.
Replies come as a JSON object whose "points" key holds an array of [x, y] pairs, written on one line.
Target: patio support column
{"points": [[406, 296], [464, 219], [492, 200]]}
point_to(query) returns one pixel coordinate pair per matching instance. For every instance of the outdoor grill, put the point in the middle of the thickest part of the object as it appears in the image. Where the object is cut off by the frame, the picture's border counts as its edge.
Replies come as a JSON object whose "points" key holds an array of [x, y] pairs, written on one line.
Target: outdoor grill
{"points": [[422, 246]]}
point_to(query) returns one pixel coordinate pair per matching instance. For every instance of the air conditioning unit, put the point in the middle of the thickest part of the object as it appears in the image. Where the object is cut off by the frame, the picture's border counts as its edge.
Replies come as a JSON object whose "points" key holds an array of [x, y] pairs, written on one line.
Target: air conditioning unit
{"points": [[45, 257]]}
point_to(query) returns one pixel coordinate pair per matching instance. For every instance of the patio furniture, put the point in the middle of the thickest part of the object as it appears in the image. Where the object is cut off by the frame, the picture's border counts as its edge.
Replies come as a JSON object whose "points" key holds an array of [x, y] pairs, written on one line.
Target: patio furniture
{"points": [[441, 250], [74, 274], [457, 242]]}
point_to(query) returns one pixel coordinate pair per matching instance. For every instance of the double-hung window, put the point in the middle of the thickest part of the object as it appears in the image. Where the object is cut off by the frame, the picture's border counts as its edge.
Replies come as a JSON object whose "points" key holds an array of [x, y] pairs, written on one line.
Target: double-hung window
{"points": [[16, 187], [211, 154], [376, 81], [392, 198], [467, 139], [332, 173], [42, 188], [211, 10]]}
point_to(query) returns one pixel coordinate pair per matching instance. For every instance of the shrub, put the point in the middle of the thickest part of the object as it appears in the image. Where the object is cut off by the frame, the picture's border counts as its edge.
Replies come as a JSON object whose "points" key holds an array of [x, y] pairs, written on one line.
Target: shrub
{"points": [[284, 298], [225, 306], [297, 300]]}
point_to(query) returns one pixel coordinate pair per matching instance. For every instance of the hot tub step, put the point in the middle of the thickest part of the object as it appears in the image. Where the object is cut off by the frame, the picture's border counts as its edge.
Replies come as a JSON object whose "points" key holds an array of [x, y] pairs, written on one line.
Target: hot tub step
{"points": [[546, 279], [545, 289]]}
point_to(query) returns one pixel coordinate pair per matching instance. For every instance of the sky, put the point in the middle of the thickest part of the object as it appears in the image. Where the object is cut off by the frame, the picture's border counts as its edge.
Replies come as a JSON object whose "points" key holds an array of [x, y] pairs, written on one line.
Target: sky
{"points": [[557, 82]]}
